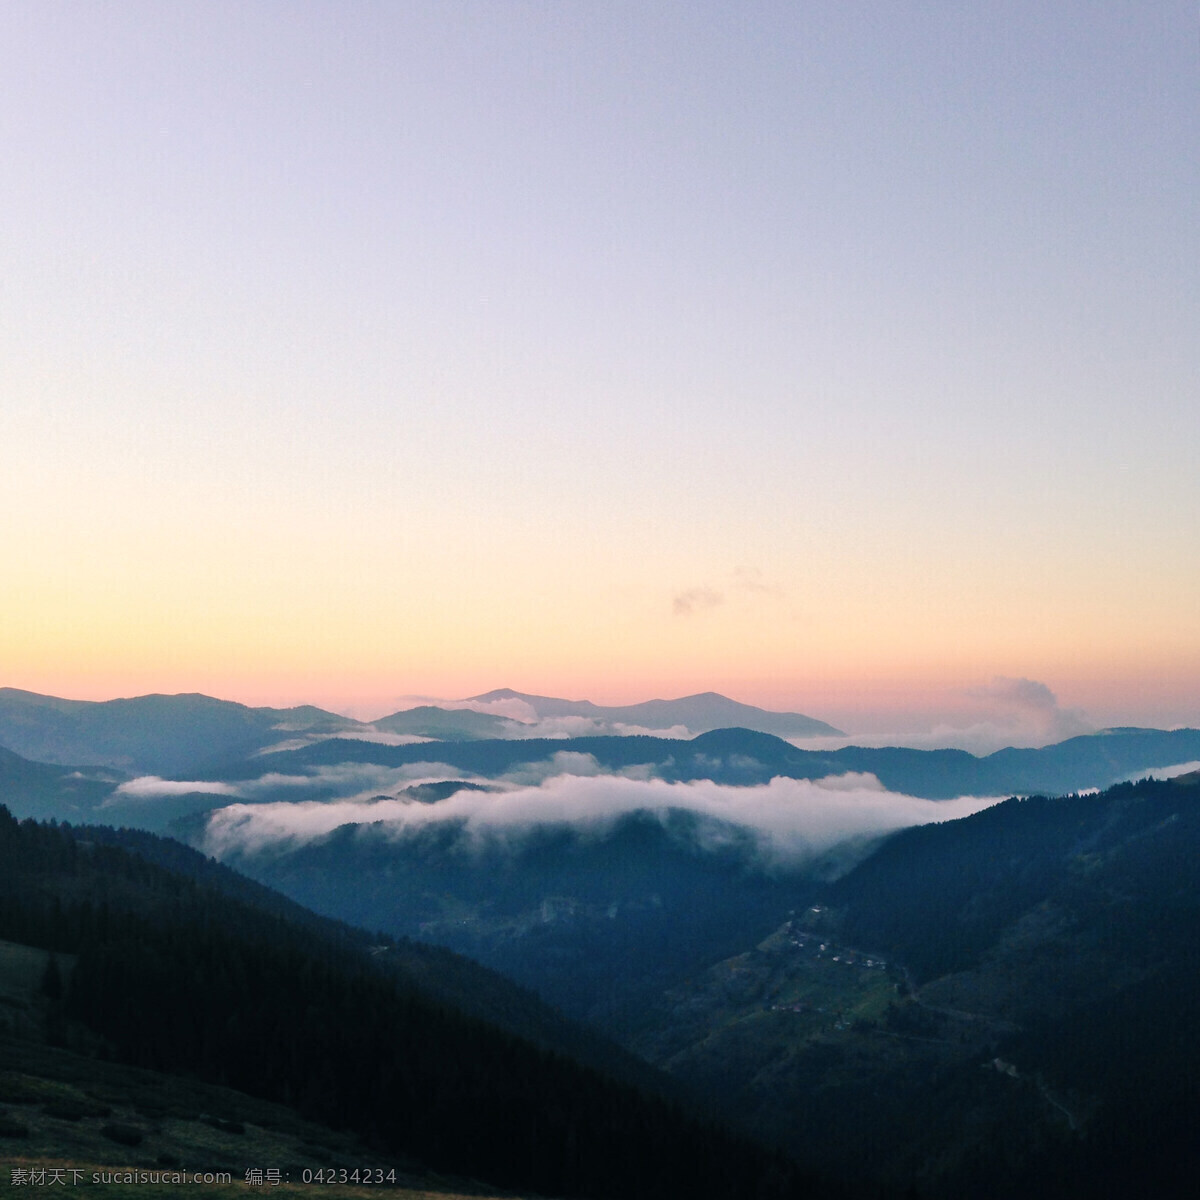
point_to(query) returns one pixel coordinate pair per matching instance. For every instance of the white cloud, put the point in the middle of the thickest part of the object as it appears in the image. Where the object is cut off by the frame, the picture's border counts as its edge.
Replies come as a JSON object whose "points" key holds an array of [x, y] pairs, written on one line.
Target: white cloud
{"points": [[363, 734], [793, 821], [382, 737], [297, 743], [512, 709], [1163, 772], [150, 787], [348, 779], [352, 779], [673, 731], [579, 726]]}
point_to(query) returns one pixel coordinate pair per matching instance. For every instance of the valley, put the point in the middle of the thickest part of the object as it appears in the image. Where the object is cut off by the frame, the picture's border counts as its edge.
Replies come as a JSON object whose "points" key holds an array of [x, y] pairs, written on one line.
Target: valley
{"points": [[899, 994]]}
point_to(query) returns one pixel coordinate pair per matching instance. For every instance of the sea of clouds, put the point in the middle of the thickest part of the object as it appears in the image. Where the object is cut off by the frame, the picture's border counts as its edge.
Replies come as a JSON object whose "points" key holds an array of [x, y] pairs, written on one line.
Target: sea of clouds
{"points": [[793, 821]]}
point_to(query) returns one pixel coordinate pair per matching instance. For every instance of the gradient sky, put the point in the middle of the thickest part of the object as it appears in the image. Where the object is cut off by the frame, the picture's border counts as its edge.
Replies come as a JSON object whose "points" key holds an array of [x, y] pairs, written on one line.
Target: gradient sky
{"points": [[840, 357]]}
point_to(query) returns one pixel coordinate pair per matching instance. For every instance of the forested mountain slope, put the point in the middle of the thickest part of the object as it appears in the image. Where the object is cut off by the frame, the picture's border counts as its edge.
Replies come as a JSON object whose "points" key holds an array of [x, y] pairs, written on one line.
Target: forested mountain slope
{"points": [[1006, 1005], [176, 975]]}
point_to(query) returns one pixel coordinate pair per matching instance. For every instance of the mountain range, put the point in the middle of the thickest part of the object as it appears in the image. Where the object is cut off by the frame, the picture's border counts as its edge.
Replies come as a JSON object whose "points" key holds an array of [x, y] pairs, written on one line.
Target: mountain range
{"points": [[149, 734], [747, 757], [1002, 1006], [151, 761], [165, 735]]}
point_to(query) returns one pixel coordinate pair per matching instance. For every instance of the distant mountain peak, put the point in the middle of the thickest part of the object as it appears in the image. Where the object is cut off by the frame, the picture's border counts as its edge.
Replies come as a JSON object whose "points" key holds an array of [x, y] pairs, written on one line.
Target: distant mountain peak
{"points": [[512, 694], [698, 713]]}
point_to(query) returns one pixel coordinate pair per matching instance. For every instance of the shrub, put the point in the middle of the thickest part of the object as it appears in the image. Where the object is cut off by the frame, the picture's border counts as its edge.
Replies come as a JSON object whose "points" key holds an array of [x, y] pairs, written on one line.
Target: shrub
{"points": [[124, 1135]]}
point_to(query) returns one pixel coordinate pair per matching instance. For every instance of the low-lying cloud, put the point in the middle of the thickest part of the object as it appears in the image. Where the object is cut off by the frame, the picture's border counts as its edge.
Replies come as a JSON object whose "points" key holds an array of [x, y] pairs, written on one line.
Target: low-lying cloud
{"points": [[794, 821], [582, 726], [362, 734], [151, 787], [379, 736], [1162, 772], [509, 707], [349, 779]]}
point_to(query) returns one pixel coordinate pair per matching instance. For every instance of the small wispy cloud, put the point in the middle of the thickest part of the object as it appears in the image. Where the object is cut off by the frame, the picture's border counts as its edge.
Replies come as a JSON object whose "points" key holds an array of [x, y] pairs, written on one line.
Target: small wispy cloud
{"points": [[746, 581], [695, 599], [751, 579], [381, 737]]}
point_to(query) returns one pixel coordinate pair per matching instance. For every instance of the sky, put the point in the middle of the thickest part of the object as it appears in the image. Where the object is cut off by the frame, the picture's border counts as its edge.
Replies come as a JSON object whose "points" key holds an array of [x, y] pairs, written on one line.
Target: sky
{"points": [[837, 357]]}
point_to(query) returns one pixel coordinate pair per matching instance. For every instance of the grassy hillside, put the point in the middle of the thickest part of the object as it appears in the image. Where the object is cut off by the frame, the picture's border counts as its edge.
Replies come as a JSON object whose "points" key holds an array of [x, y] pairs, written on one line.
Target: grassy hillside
{"points": [[74, 1113]]}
